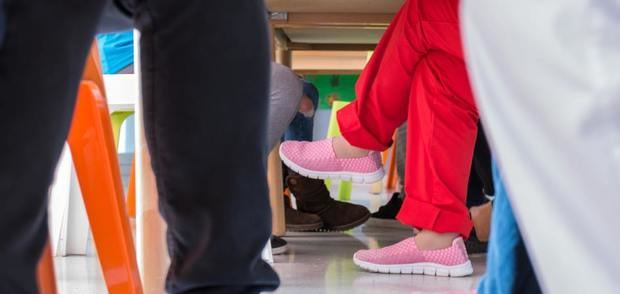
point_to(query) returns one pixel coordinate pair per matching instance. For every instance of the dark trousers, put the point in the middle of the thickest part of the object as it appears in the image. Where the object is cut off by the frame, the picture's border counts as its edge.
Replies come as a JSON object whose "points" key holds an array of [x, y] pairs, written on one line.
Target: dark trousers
{"points": [[480, 178], [205, 69], [481, 175]]}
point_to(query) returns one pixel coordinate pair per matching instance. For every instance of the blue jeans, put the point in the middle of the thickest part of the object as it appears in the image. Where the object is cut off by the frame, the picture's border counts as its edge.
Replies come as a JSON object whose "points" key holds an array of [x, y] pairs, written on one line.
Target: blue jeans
{"points": [[509, 269], [300, 129]]}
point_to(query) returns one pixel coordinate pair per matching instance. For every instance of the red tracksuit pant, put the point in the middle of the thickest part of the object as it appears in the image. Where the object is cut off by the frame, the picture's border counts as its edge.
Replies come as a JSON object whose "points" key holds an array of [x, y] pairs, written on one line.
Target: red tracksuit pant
{"points": [[417, 74]]}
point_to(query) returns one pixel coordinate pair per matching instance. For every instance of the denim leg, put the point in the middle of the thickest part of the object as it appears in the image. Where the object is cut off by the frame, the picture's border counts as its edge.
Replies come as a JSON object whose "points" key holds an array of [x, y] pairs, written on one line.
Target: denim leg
{"points": [[508, 266], [206, 132], [300, 129], [41, 63]]}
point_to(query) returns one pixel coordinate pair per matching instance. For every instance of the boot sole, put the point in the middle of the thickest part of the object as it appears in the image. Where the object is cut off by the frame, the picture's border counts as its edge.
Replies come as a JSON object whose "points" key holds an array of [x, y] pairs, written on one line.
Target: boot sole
{"points": [[358, 178], [423, 268], [374, 222], [304, 228]]}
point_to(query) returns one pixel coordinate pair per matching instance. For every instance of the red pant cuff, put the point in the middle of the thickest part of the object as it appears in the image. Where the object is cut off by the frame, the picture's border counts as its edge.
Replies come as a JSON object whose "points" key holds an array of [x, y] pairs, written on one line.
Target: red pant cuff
{"points": [[354, 131], [423, 215]]}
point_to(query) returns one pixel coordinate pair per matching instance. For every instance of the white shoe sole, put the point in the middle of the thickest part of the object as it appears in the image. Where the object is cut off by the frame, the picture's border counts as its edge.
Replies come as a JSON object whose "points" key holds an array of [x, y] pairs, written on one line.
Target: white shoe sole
{"points": [[358, 178], [279, 250], [426, 268]]}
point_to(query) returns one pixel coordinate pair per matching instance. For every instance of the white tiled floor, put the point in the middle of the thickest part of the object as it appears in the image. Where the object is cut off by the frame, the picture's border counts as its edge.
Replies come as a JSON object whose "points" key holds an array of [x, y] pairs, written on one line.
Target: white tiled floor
{"points": [[315, 263], [79, 275], [321, 263]]}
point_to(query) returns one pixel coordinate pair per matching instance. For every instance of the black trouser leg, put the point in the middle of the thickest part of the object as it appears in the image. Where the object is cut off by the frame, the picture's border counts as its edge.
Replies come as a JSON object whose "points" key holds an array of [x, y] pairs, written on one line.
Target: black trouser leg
{"points": [[475, 193], [481, 176], [205, 68], [482, 162], [41, 61]]}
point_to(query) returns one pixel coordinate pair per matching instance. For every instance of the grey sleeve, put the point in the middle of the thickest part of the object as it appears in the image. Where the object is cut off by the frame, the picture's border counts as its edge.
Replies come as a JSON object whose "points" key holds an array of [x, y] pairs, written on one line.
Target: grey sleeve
{"points": [[284, 98]]}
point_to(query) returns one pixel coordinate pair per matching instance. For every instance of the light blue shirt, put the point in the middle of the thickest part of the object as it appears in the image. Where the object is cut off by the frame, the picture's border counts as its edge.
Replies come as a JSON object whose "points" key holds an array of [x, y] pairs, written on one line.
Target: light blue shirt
{"points": [[115, 50]]}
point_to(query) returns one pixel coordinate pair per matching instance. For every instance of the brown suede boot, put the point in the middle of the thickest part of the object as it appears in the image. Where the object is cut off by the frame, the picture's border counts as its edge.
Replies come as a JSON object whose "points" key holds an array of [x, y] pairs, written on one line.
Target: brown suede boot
{"points": [[297, 221], [313, 197]]}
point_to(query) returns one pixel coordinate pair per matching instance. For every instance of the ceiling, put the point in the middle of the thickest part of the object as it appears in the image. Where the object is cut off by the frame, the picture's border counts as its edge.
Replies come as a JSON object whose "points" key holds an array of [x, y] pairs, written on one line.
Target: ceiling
{"points": [[335, 6], [334, 35], [359, 23], [329, 36]]}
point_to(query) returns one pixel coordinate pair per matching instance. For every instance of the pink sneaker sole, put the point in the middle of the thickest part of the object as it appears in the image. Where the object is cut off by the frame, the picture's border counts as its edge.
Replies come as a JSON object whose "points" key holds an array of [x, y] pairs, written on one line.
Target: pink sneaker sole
{"points": [[359, 178], [422, 268]]}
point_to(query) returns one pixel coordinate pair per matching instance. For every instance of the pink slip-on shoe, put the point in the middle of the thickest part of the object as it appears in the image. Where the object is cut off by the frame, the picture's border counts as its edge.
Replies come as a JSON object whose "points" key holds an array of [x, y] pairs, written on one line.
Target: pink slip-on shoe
{"points": [[405, 258], [317, 160]]}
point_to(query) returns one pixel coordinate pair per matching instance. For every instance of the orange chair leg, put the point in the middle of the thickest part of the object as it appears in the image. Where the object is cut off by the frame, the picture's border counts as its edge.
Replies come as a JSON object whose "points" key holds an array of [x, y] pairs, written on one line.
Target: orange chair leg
{"points": [[384, 156], [92, 146], [131, 191], [93, 70], [391, 179], [46, 279]]}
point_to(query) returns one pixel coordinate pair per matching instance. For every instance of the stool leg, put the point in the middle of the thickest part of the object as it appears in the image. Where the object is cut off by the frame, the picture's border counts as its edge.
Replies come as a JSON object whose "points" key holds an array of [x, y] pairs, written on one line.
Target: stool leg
{"points": [[276, 190], [392, 177], [117, 119], [151, 246], [344, 192], [346, 187], [152, 249], [131, 190], [45, 272], [150, 226], [328, 184], [97, 167], [377, 187]]}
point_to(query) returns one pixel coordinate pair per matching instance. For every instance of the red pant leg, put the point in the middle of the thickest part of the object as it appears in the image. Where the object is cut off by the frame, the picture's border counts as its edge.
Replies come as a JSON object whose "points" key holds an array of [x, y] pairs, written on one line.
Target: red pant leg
{"points": [[418, 71], [421, 26], [442, 130]]}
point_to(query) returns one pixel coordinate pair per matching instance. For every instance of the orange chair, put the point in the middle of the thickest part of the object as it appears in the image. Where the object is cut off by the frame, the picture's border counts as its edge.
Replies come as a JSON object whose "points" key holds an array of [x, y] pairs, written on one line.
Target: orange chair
{"points": [[96, 163], [94, 154], [45, 272]]}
